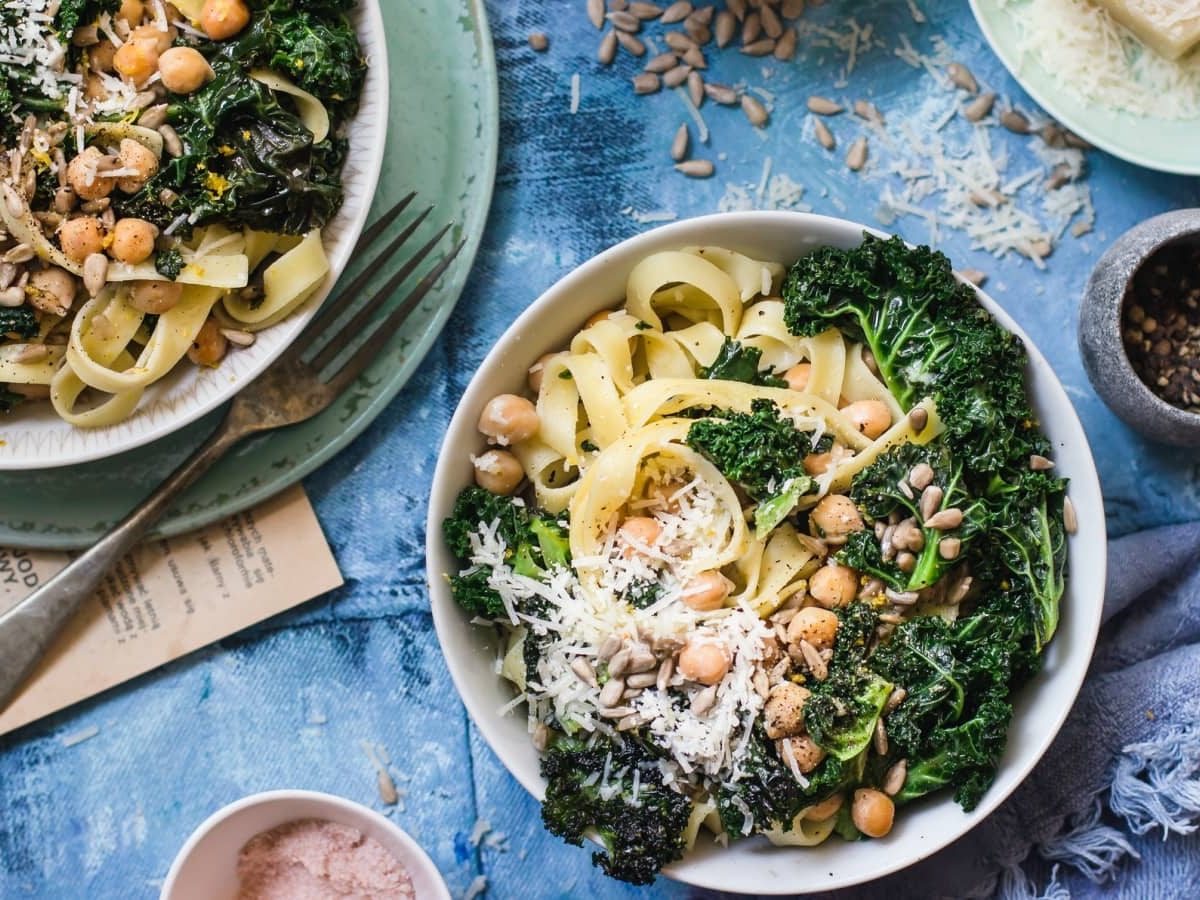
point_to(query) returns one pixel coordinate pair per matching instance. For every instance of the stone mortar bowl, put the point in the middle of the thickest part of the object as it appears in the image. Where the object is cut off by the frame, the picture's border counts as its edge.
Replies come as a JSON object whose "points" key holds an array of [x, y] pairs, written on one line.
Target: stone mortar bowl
{"points": [[1100, 342]]}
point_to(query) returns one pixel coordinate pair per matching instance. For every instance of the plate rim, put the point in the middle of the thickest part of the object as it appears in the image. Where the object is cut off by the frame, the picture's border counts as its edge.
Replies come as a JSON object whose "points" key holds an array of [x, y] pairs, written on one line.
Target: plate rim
{"points": [[1050, 105], [1086, 481]]}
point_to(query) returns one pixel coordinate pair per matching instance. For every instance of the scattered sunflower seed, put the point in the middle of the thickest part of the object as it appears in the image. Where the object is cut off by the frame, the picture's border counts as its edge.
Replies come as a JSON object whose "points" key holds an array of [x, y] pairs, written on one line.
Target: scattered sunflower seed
{"points": [[1039, 463], [823, 106], [696, 168], [945, 520], [725, 27], [751, 28], [880, 738], [679, 146], [791, 9], [237, 337], [676, 12], [755, 111], [1070, 519], [695, 58], [616, 712], [629, 722], [974, 276], [610, 694], [646, 11], [95, 273], [695, 86], [894, 780], [625, 21], [676, 76], [665, 671], [770, 22], [664, 62], [960, 76], [697, 31], [595, 10], [762, 47], [678, 41], [824, 135], [720, 93], [857, 157], [607, 50], [642, 680], [979, 107], [1015, 121], [704, 701], [609, 648], [901, 598], [646, 83], [619, 662], [959, 592], [541, 736], [631, 43], [785, 47], [864, 109], [949, 548], [538, 41], [921, 476], [703, 15], [737, 7], [1059, 176]]}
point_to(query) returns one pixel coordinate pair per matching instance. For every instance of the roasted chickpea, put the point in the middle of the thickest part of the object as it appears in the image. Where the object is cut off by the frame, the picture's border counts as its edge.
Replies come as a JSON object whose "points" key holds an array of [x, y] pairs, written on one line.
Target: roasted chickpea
{"points": [[537, 372], [184, 70], [152, 34], [707, 591], [835, 517], [872, 812], [100, 56], [813, 624], [705, 660], [210, 345], [871, 417], [83, 177], [783, 713], [155, 297], [131, 12], [804, 750], [833, 586], [222, 19], [819, 463], [132, 241], [508, 419], [797, 376], [819, 812], [136, 60], [498, 472], [81, 237], [638, 533], [52, 290], [142, 160]]}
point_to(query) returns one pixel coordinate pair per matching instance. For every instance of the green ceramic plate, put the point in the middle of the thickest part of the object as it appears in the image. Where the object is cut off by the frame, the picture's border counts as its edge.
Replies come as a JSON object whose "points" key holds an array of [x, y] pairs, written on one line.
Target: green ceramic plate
{"points": [[442, 140], [1168, 145]]}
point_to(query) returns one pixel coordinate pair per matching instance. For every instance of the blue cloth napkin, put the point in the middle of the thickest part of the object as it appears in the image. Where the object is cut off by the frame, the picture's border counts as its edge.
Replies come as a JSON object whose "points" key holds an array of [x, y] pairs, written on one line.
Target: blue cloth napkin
{"points": [[1114, 806]]}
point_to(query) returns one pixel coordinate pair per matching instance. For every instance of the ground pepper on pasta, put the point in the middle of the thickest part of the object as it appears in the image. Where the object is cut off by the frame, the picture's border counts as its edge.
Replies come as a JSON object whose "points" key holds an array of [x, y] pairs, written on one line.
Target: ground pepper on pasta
{"points": [[769, 550], [169, 168]]}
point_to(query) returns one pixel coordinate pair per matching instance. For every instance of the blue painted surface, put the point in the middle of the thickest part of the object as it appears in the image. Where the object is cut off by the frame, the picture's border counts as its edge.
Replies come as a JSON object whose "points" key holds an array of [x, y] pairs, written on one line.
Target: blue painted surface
{"points": [[104, 818]]}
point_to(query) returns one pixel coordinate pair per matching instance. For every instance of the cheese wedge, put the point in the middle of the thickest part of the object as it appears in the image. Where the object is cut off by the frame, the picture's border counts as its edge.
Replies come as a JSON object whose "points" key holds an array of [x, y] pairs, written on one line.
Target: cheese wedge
{"points": [[1171, 28]]}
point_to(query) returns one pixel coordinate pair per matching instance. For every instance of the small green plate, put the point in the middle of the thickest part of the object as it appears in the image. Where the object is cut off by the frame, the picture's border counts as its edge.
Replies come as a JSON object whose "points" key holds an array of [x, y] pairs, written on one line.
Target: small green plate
{"points": [[443, 131], [1168, 145]]}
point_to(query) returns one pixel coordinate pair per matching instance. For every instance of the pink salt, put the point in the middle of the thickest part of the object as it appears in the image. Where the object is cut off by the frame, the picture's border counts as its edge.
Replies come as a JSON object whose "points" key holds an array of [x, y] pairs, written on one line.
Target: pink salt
{"points": [[315, 859]]}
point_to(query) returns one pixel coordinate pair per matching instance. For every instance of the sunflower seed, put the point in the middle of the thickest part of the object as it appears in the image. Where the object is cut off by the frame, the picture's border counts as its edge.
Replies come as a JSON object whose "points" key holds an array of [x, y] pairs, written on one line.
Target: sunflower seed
{"points": [[881, 739], [868, 111], [95, 273], [642, 680], [679, 146], [949, 548], [901, 598], [918, 418], [695, 86], [824, 135], [676, 12], [880, 528], [762, 684], [823, 106], [959, 592], [538, 42], [1074, 140], [664, 62], [1059, 176], [665, 671], [629, 722], [697, 31], [905, 561], [751, 28], [931, 500], [960, 76], [720, 93], [641, 659], [608, 648], [607, 51], [947, 519], [616, 712], [725, 27], [704, 701], [755, 111], [584, 670], [973, 276], [8, 274], [610, 694], [921, 476], [908, 536], [791, 9], [978, 108], [894, 780], [238, 338], [696, 168], [541, 737], [171, 141], [905, 489], [886, 547], [624, 21], [703, 15], [695, 58], [619, 662], [1039, 463], [895, 698], [595, 11], [667, 645], [646, 11], [857, 157], [762, 47], [678, 41], [1070, 519], [785, 47], [632, 44], [12, 296], [770, 22], [1014, 121], [13, 202], [31, 353], [646, 83], [21, 253], [816, 664]]}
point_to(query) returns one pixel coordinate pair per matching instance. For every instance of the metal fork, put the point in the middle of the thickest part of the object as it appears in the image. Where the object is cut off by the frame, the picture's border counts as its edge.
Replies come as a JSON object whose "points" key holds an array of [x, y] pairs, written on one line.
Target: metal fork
{"points": [[296, 387]]}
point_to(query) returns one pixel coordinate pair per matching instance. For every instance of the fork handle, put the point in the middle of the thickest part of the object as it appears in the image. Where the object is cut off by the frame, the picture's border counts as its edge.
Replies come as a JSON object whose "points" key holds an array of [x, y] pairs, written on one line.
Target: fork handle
{"points": [[29, 628]]}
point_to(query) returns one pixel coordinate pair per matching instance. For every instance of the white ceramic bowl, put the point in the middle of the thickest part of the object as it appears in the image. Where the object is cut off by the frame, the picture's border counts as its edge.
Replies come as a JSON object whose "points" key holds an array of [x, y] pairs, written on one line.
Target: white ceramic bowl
{"points": [[206, 866], [34, 437], [754, 866]]}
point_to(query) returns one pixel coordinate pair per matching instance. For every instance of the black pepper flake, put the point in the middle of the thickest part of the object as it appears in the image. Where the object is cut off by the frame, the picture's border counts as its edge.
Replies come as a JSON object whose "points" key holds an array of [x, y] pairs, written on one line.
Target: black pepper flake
{"points": [[1161, 324]]}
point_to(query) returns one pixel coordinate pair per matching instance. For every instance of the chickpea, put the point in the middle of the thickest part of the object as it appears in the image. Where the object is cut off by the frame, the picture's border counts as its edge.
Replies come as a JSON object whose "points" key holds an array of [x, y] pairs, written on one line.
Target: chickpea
{"points": [[82, 176], [638, 533], [508, 419], [602, 316], [155, 36], [210, 345], [81, 237], [141, 159], [835, 517], [797, 376], [813, 624], [804, 750], [222, 19], [872, 812], [537, 372], [132, 241], [131, 12], [819, 812], [705, 660], [100, 56], [498, 472], [52, 291], [871, 417], [707, 591], [136, 60], [819, 463], [833, 586], [783, 713], [155, 297], [184, 70]]}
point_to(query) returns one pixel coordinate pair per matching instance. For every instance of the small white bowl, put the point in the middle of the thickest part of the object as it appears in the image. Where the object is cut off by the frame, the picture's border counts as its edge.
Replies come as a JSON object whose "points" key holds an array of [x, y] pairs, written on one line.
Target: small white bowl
{"points": [[754, 866], [206, 866]]}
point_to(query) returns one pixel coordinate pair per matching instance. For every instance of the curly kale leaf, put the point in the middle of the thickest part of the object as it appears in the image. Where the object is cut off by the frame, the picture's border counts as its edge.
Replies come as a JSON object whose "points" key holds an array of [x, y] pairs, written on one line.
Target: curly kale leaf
{"points": [[321, 54], [739, 362], [640, 834], [73, 13], [168, 263], [929, 336], [20, 321]]}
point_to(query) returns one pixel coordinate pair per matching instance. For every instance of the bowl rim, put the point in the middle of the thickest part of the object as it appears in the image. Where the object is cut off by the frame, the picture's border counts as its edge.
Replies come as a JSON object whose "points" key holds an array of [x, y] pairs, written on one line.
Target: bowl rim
{"points": [[414, 855], [446, 615], [1107, 287], [123, 435]]}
